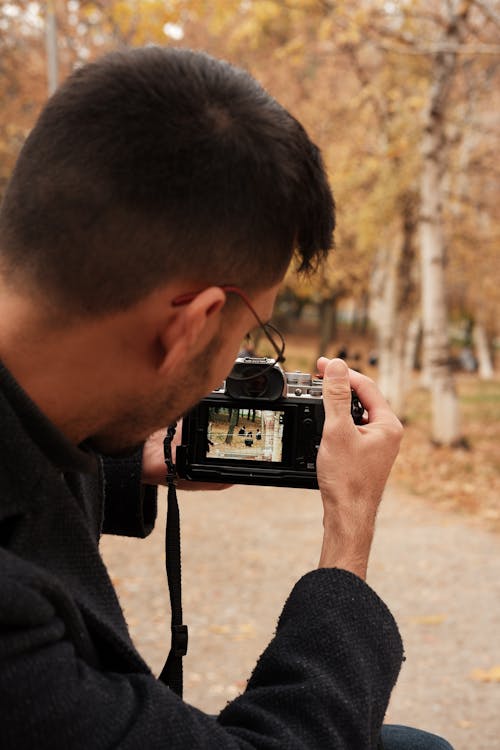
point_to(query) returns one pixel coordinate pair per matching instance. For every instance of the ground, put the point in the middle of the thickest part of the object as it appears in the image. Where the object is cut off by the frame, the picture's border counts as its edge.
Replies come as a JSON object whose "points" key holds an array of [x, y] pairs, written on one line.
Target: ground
{"points": [[435, 561], [244, 548], [465, 479]]}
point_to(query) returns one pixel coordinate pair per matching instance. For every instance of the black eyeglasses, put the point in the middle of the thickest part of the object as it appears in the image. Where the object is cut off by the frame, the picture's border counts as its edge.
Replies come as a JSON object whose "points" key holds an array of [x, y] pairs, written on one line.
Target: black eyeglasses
{"points": [[269, 330]]}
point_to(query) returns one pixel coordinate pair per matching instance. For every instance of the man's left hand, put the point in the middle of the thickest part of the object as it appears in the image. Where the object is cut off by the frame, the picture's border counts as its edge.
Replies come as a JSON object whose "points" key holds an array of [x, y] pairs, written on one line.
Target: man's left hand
{"points": [[153, 463]]}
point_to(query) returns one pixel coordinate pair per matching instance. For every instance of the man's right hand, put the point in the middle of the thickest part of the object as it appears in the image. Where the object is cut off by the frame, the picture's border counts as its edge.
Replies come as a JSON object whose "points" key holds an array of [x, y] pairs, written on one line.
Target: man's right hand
{"points": [[353, 464]]}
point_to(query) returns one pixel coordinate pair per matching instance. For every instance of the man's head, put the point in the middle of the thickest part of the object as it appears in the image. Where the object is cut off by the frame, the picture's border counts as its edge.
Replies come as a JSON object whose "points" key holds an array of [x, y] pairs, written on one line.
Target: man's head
{"points": [[157, 164], [151, 170]]}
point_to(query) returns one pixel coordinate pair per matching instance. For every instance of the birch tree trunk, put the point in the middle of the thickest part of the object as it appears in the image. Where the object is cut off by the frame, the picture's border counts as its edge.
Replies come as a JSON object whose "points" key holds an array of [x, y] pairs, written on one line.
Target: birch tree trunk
{"points": [[327, 323], [384, 311], [391, 330], [445, 411], [394, 370], [394, 307], [412, 341], [483, 352]]}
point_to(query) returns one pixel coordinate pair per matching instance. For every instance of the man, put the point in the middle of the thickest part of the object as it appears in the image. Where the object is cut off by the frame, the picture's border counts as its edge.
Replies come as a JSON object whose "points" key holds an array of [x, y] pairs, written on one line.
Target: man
{"points": [[154, 177]]}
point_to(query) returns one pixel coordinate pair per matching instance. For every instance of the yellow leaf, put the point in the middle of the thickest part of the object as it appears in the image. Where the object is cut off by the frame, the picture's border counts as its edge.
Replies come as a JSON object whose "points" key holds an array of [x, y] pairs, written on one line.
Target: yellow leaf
{"points": [[325, 29], [293, 47], [245, 631], [429, 619], [487, 675], [219, 629], [266, 10]]}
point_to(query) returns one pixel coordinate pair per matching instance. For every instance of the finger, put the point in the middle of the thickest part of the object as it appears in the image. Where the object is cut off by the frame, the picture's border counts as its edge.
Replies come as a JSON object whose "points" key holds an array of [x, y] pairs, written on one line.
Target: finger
{"points": [[371, 397], [321, 364], [336, 390]]}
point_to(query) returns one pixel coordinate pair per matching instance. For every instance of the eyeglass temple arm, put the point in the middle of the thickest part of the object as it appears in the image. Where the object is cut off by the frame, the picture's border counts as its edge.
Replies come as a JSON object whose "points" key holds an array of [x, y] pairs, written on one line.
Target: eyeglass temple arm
{"points": [[185, 299]]}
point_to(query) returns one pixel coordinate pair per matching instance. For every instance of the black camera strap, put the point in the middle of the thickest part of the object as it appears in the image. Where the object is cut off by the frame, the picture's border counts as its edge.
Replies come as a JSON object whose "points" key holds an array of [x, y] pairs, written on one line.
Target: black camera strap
{"points": [[171, 673]]}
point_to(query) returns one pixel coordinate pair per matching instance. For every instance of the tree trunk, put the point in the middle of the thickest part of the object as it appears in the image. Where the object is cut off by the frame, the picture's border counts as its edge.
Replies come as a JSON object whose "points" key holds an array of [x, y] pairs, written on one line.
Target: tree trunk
{"points": [[425, 370], [394, 308], [328, 315], [483, 352], [363, 321], [436, 357], [412, 343], [398, 380], [386, 322], [394, 363], [234, 415], [445, 415]]}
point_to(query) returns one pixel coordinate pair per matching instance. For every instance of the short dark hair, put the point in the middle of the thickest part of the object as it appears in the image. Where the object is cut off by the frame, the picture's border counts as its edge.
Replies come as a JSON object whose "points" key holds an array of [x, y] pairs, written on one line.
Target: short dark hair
{"points": [[155, 164]]}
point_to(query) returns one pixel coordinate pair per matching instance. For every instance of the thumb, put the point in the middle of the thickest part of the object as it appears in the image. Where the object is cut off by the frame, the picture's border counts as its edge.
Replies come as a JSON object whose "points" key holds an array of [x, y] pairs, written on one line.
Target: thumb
{"points": [[337, 390]]}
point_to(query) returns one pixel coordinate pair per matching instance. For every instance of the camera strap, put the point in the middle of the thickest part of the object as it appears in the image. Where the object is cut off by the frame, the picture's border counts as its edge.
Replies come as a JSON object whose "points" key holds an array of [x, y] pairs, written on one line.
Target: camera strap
{"points": [[171, 673]]}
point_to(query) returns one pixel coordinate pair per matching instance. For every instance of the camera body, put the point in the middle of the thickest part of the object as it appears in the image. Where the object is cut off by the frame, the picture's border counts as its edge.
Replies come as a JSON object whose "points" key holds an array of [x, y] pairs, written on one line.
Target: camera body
{"points": [[263, 431]]}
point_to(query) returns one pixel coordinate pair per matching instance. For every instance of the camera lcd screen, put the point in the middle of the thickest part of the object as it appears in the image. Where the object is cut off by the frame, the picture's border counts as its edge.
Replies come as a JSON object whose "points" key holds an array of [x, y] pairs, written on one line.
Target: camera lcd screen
{"points": [[245, 434]]}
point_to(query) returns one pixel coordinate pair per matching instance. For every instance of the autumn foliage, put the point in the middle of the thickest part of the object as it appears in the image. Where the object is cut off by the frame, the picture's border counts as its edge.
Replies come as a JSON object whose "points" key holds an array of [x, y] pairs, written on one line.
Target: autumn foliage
{"points": [[371, 82]]}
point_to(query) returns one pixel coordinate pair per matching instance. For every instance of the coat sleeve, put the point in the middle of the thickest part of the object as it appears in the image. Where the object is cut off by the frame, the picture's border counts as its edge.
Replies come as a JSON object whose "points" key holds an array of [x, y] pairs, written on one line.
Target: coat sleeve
{"points": [[130, 507], [322, 683]]}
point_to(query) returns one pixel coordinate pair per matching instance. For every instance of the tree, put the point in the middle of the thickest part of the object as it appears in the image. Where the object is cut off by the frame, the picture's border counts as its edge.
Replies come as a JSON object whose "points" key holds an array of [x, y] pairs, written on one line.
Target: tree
{"points": [[399, 98], [394, 298], [234, 415], [445, 424]]}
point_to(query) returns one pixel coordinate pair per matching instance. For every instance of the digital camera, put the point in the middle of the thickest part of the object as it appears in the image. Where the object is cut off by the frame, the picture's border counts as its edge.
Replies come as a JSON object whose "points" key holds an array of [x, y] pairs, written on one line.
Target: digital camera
{"points": [[265, 430]]}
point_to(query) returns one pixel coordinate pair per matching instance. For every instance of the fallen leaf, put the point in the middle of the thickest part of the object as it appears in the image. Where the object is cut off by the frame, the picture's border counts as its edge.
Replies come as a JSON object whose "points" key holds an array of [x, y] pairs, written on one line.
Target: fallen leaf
{"points": [[429, 619], [487, 675], [220, 629]]}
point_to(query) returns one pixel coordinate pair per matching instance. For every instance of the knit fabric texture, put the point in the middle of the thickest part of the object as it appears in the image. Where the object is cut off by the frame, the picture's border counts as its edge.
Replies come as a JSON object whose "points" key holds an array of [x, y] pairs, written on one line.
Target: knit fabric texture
{"points": [[70, 676]]}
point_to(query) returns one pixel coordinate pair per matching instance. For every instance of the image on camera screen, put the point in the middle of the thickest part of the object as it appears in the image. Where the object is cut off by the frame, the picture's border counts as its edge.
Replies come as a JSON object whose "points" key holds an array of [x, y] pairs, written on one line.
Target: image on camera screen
{"points": [[245, 434]]}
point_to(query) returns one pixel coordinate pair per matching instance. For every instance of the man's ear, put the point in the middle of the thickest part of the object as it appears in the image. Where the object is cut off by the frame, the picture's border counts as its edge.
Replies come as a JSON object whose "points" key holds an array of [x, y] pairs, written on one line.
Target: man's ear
{"points": [[191, 328]]}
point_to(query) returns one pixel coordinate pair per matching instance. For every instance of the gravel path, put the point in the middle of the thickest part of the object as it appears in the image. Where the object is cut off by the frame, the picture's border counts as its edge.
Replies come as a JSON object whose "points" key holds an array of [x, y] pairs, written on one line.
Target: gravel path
{"points": [[244, 548]]}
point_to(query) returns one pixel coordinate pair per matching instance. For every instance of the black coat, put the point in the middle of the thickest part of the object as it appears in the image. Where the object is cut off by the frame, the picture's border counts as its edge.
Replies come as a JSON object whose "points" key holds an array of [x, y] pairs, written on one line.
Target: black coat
{"points": [[70, 676]]}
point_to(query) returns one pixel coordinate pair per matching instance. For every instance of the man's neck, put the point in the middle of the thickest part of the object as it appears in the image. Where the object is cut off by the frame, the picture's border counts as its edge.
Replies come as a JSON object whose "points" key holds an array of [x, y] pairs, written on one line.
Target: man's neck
{"points": [[64, 370]]}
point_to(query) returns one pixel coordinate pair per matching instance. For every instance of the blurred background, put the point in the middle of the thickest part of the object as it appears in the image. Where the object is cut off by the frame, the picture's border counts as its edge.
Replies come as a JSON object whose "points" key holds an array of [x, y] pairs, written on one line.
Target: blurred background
{"points": [[403, 99]]}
